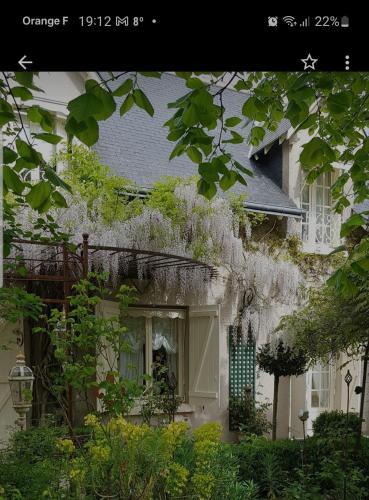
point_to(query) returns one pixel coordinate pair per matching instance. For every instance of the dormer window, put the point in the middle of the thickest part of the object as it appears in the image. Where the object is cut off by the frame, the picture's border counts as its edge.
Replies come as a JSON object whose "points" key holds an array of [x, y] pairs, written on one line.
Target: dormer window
{"points": [[320, 225]]}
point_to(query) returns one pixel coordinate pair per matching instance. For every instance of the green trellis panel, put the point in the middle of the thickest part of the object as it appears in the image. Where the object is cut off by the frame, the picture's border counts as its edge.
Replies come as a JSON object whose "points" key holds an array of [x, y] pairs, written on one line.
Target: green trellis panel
{"points": [[241, 365]]}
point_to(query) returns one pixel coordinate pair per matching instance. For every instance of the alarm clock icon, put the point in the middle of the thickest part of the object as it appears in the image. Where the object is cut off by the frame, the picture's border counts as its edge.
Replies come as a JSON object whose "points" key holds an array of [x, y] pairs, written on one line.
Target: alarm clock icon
{"points": [[272, 21]]}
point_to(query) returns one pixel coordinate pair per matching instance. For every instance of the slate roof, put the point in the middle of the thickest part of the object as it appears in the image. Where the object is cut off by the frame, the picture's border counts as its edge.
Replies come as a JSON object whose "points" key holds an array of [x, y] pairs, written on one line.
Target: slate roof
{"points": [[135, 146]]}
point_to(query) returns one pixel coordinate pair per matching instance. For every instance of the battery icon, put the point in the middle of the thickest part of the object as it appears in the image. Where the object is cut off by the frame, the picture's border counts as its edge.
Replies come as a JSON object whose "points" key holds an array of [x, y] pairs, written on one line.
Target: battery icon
{"points": [[344, 22]]}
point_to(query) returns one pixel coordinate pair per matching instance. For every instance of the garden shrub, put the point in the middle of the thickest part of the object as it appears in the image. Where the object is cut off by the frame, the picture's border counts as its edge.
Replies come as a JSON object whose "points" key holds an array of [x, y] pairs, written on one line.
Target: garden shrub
{"points": [[333, 424], [31, 465]]}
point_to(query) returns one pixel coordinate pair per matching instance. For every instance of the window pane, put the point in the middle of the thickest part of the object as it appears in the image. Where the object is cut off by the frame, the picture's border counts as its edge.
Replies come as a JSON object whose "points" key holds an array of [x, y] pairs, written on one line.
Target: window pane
{"points": [[315, 381], [165, 349], [132, 363], [325, 380], [314, 399], [324, 398]]}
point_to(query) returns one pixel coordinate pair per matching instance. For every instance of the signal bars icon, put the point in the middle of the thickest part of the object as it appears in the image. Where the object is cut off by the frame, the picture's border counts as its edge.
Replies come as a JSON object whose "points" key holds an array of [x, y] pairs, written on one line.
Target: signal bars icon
{"points": [[305, 23]]}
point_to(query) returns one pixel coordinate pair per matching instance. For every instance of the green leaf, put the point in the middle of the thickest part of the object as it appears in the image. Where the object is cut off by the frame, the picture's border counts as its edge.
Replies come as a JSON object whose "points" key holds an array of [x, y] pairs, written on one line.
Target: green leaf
{"points": [[244, 169], [39, 115], [195, 83], [207, 189], [142, 101], [316, 152], [6, 117], [59, 200], [232, 121], [85, 106], [25, 78], [257, 135], [89, 135], [28, 152], [338, 103], [228, 180], [363, 263], [208, 172], [105, 97], [150, 74], [236, 138], [12, 181], [23, 93], [55, 180], [127, 105], [190, 116], [9, 155], [355, 220], [50, 138], [38, 194], [194, 154], [124, 88]]}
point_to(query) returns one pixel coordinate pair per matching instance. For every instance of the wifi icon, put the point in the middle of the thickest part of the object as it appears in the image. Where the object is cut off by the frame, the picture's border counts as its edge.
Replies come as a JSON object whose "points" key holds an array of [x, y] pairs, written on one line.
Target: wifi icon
{"points": [[291, 21]]}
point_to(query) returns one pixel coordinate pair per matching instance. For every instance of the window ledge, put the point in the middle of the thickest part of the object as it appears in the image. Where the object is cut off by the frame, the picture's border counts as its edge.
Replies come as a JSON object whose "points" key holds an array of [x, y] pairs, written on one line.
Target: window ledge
{"points": [[184, 408]]}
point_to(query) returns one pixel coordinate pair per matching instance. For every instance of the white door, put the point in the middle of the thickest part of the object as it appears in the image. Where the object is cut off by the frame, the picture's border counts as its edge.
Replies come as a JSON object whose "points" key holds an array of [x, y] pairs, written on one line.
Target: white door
{"points": [[204, 354]]}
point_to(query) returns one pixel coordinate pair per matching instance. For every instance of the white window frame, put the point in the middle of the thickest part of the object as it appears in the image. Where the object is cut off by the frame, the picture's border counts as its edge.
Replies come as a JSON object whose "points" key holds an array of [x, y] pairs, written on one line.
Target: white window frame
{"points": [[319, 370], [309, 220], [181, 328]]}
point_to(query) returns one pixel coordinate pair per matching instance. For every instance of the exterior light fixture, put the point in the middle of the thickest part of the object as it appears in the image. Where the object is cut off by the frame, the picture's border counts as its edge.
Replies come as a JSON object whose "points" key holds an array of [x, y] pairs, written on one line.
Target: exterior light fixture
{"points": [[303, 416], [21, 383]]}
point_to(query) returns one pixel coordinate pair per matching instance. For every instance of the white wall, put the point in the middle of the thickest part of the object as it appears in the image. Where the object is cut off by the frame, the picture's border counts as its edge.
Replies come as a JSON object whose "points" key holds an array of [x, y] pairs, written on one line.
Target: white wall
{"points": [[8, 336]]}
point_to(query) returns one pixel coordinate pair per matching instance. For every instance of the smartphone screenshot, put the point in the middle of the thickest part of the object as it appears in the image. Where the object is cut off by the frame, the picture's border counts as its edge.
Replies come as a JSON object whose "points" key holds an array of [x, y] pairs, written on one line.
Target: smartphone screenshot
{"points": [[184, 255]]}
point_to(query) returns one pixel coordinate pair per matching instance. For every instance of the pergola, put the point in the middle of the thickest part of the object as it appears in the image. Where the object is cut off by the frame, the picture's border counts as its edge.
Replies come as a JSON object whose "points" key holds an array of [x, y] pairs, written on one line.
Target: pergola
{"points": [[64, 264], [54, 267]]}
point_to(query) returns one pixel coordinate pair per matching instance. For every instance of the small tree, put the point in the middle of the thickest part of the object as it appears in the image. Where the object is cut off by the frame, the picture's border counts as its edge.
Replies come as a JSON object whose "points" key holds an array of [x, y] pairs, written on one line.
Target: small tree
{"points": [[281, 361], [332, 323]]}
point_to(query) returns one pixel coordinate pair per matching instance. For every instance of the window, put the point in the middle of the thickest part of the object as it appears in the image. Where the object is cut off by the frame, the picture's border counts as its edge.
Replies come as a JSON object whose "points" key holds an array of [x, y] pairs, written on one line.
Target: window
{"points": [[319, 224], [156, 340], [319, 387]]}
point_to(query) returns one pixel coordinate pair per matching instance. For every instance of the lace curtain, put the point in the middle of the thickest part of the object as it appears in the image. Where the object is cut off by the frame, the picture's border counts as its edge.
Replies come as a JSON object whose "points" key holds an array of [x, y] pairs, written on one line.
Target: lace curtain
{"points": [[132, 364], [165, 335], [164, 338]]}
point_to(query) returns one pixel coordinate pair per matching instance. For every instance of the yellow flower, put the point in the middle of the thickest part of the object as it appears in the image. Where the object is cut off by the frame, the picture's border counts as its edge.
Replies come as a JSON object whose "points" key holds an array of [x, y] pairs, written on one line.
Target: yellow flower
{"points": [[211, 431], [77, 473], [92, 421], [174, 433], [203, 484], [176, 479], [100, 453], [65, 445]]}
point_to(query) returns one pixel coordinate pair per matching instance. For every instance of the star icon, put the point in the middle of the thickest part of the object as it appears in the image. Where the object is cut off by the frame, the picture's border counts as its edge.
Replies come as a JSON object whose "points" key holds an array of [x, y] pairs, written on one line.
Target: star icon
{"points": [[309, 62]]}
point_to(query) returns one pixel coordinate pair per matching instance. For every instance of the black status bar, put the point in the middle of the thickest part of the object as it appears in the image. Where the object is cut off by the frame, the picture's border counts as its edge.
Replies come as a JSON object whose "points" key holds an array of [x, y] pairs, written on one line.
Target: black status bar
{"points": [[216, 40]]}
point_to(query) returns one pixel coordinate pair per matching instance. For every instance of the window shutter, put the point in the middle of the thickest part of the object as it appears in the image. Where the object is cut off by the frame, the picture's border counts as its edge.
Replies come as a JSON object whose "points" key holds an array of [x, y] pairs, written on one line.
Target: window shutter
{"points": [[204, 352]]}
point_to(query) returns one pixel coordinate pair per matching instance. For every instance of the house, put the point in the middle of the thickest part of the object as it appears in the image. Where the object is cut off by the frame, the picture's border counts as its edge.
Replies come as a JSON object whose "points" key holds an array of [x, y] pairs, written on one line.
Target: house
{"points": [[196, 334]]}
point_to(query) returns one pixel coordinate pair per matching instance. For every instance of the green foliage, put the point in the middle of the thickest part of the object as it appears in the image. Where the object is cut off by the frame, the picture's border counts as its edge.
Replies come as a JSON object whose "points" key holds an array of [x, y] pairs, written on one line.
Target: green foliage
{"points": [[16, 303], [247, 416], [276, 468], [281, 361], [31, 464], [21, 156], [87, 344], [95, 183], [333, 424], [331, 322]]}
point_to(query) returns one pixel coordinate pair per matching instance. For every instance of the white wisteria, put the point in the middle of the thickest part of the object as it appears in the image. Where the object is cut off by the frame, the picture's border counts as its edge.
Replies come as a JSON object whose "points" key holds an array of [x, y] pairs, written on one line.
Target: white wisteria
{"points": [[209, 233]]}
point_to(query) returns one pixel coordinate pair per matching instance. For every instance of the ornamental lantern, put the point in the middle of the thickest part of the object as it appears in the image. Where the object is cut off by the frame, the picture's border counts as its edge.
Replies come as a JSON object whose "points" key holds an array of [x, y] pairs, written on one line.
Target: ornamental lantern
{"points": [[21, 382]]}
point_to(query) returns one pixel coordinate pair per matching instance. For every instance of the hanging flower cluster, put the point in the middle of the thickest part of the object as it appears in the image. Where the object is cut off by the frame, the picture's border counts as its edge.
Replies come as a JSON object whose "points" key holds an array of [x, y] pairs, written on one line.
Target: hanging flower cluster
{"points": [[194, 228]]}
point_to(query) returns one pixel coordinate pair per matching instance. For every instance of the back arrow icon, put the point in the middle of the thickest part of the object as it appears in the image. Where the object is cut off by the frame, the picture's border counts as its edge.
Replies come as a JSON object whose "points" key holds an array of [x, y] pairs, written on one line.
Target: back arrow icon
{"points": [[22, 62]]}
